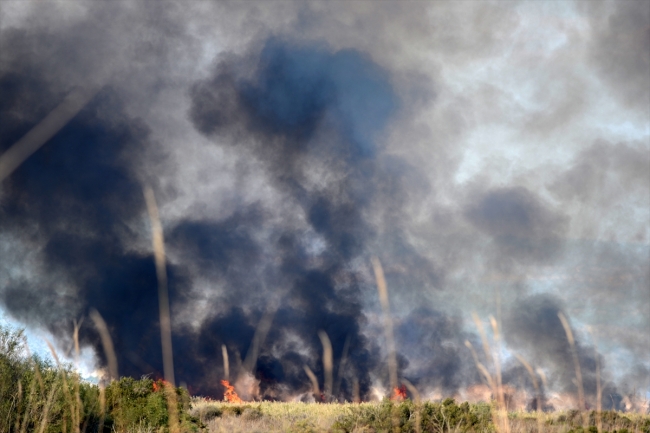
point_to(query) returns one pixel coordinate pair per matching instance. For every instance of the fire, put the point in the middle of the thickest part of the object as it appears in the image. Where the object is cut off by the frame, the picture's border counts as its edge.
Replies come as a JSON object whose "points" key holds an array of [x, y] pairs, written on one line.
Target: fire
{"points": [[230, 395], [399, 394], [159, 384]]}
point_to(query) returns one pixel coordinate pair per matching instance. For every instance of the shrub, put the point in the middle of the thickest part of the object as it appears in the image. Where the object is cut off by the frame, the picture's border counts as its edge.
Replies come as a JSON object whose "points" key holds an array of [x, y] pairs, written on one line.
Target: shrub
{"points": [[207, 413], [33, 391], [434, 417]]}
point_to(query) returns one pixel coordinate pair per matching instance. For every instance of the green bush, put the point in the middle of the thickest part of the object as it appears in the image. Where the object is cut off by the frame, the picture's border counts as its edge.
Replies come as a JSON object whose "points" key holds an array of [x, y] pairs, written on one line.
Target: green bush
{"points": [[433, 417], [209, 413], [33, 391], [612, 422], [131, 402], [134, 402]]}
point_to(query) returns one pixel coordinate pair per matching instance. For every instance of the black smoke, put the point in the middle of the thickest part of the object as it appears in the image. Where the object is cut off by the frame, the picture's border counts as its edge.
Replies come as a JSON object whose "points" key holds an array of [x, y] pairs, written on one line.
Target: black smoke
{"points": [[75, 200], [302, 104], [283, 166], [522, 227], [435, 342], [533, 328], [79, 201]]}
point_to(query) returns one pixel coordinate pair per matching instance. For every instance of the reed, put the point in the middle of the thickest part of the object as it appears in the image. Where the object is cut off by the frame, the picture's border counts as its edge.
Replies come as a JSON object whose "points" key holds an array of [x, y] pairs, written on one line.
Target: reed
{"points": [[76, 379], [261, 331], [599, 391], [66, 390], [576, 364], [342, 363], [164, 311], [500, 415], [538, 394], [107, 343], [418, 415], [328, 363], [46, 410], [226, 364], [356, 396], [382, 289], [45, 129], [314, 382], [388, 321]]}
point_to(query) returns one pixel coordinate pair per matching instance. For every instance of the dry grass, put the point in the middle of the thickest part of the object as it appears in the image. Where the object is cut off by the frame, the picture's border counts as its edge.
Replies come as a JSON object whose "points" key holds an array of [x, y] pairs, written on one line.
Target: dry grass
{"points": [[558, 421], [269, 416], [297, 417]]}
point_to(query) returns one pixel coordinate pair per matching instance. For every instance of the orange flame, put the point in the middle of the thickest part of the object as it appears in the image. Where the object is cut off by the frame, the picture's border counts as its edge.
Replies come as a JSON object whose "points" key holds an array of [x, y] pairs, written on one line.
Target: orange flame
{"points": [[399, 394], [230, 395], [160, 384]]}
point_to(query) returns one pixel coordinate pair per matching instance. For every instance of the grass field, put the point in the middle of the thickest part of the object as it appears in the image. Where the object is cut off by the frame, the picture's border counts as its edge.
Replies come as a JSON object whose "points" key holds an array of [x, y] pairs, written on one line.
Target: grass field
{"points": [[38, 396], [447, 416]]}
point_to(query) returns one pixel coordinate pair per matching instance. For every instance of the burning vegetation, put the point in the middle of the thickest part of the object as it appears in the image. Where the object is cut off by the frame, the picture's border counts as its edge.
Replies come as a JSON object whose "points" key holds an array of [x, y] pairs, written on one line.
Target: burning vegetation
{"points": [[160, 385], [399, 393], [230, 395]]}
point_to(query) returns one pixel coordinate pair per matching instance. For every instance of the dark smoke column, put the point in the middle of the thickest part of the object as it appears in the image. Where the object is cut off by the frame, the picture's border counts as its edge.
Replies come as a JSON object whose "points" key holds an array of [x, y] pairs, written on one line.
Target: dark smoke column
{"points": [[298, 110]]}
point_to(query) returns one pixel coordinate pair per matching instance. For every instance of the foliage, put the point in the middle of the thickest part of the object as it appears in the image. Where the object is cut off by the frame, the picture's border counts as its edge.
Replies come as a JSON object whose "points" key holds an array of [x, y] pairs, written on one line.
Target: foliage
{"points": [[35, 393], [433, 417], [132, 402], [612, 421]]}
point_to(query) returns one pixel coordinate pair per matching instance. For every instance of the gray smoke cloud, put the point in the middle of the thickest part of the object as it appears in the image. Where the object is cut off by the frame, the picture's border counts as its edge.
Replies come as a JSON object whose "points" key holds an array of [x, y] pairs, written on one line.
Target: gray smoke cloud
{"points": [[493, 155], [621, 49]]}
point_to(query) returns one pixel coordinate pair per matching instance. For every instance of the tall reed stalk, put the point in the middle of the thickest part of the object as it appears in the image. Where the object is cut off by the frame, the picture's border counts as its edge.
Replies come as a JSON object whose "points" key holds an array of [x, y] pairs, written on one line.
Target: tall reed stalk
{"points": [[163, 303], [382, 289], [328, 363], [495, 381], [538, 394], [576, 364]]}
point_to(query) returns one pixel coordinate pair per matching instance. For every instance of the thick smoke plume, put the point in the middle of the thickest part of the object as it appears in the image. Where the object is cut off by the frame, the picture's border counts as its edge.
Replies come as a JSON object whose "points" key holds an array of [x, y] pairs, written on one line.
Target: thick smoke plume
{"points": [[302, 106], [287, 145]]}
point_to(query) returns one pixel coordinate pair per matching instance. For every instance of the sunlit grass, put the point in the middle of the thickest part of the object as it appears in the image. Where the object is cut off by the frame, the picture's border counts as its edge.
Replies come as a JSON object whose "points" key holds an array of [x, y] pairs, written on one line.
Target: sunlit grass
{"points": [[269, 416], [447, 416]]}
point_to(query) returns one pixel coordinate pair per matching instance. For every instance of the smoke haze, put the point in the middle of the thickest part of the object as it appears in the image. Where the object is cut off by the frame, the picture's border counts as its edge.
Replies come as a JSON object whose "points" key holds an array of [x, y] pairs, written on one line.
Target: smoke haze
{"points": [[494, 156]]}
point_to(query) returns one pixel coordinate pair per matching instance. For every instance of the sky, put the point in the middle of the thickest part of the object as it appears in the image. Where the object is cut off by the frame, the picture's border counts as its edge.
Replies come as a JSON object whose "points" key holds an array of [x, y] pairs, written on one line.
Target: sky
{"points": [[495, 157]]}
